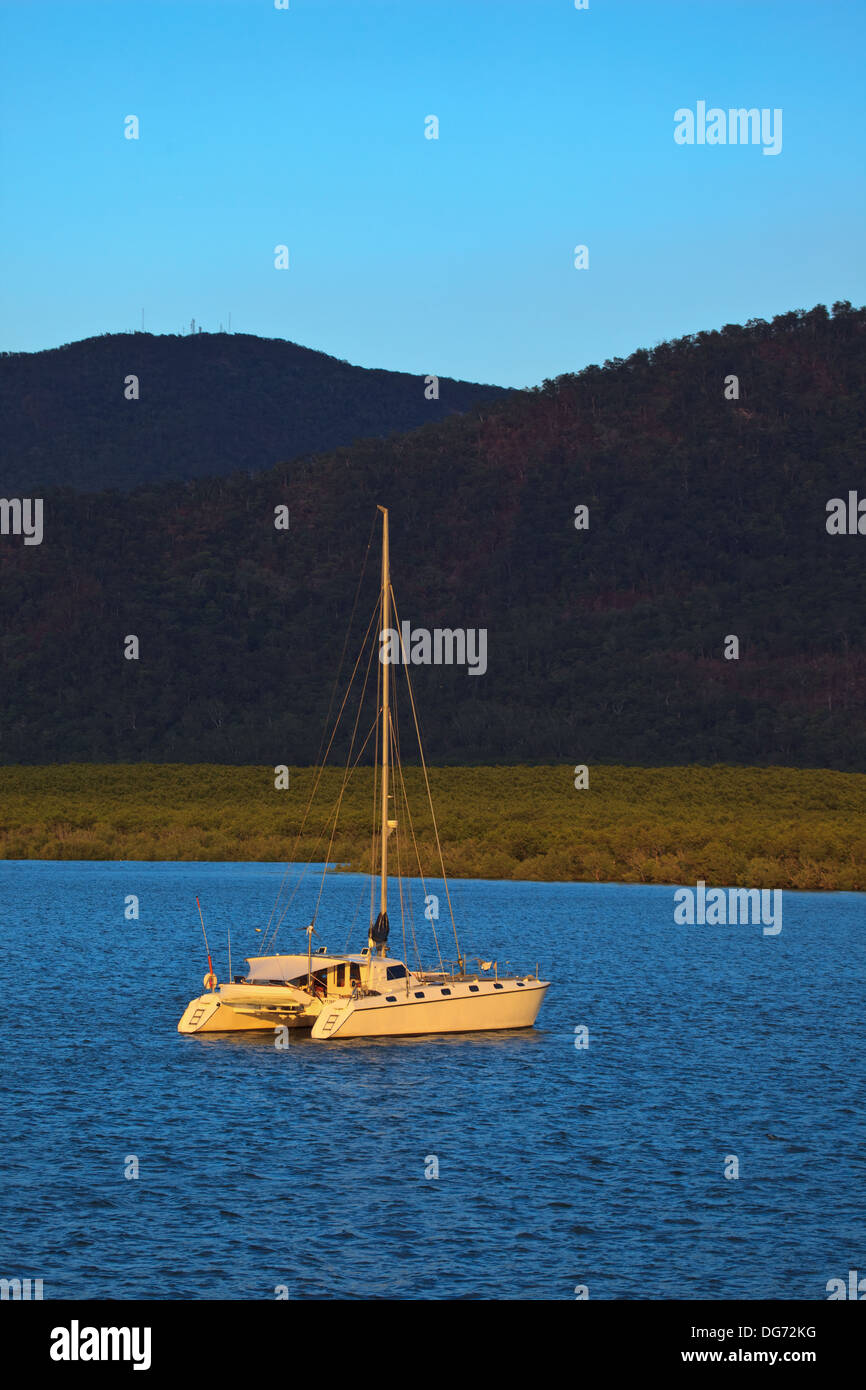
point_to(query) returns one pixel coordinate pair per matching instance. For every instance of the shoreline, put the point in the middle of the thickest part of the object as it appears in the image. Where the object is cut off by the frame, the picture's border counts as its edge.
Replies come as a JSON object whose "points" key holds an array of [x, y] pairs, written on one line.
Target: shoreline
{"points": [[431, 878], [739, 826]]}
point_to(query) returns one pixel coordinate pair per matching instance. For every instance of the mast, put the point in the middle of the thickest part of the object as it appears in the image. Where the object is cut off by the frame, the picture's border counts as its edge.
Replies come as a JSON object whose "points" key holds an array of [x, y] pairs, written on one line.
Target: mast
{"points": [[386, 728], [379, 928]]}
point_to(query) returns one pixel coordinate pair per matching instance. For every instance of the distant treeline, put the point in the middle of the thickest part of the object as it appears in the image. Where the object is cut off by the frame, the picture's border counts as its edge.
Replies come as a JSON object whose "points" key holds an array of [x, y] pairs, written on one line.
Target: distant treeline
{"points": [[731, 826], [707, 508]]}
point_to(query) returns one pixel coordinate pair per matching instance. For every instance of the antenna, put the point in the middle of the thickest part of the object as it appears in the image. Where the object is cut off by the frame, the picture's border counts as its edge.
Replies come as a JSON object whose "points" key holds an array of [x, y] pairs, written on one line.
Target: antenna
{"points": [[207, 948]]}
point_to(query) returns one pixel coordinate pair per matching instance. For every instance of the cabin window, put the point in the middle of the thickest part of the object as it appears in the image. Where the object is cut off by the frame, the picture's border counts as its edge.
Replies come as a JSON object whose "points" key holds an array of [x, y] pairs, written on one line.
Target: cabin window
{"points": [[390, 999], [396, 972], [521, 983], [497, 986], [340, 976], [418, 996], [446, 991], [473, 989], [354, 973]]}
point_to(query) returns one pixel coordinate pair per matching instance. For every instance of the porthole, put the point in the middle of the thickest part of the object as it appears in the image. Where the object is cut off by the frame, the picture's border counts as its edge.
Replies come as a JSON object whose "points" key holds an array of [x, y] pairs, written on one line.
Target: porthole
{"points": [[497, 986], [473, 989], [445, 991], [390, 999], [419, 996]]}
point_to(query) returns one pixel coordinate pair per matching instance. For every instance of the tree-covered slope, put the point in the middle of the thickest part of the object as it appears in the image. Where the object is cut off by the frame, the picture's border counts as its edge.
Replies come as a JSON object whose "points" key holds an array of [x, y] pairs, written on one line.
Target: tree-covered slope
{"points": [[207, 404], [707, 518]]}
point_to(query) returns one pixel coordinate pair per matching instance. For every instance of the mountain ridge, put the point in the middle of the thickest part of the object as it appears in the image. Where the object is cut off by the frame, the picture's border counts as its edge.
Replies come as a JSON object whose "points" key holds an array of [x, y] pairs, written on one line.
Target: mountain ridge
{"points": [[707, 518], [208, 404]]}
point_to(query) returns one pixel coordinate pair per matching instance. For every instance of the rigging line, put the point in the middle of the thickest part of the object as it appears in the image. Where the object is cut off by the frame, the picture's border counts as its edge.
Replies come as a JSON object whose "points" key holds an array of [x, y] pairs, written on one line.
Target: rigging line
{"points": [[420, 874], [375, 792], [398, 815], [417, 856], [405, 804], [426, 778], [349, 628], [355, 915], [412, 930], [316, 784], [423, 887], [303, 874], [411, 897], [397, 838], [321, 836], [346, 775]]}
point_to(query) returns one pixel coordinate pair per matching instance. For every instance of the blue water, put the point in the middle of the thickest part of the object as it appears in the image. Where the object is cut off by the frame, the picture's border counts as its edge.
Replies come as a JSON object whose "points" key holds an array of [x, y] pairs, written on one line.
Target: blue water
{"points": [[306, 1167]]}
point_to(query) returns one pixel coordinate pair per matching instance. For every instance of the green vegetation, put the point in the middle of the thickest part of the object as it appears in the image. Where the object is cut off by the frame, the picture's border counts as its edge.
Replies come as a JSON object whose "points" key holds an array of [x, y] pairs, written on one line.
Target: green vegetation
{"points": [[750, 827]]}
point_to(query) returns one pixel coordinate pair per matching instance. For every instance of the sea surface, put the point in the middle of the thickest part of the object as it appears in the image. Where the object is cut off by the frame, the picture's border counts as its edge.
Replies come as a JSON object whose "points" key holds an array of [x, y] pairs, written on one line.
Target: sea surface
{"points": [[302, 1171]]}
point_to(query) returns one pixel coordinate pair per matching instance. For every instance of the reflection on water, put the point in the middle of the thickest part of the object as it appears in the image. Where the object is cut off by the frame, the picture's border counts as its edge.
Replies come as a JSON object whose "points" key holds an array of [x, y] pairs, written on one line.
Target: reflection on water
{"points": [[300, 1037]]}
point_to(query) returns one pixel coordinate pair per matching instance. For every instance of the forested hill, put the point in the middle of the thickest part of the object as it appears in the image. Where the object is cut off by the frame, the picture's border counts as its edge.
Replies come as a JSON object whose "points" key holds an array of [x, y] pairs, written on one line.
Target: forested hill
{"points": [[706, 520], [208, 404]]}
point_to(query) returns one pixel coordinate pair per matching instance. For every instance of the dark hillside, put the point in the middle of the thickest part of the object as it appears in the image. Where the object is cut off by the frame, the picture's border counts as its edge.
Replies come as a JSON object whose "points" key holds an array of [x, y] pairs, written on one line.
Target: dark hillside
{"points": [[707, 517], [209, 404]]}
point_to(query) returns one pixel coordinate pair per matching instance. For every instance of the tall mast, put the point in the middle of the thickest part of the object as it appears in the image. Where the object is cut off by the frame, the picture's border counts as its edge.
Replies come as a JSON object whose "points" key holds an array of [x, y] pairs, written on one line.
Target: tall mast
{"points": [[379, 929], [386, 727]]}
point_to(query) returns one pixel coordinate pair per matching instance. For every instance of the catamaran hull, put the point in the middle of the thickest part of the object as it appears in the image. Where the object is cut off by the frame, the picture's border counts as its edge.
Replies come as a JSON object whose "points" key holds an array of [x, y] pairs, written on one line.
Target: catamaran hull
{"points": [[210, 1014], [513, 1007]]}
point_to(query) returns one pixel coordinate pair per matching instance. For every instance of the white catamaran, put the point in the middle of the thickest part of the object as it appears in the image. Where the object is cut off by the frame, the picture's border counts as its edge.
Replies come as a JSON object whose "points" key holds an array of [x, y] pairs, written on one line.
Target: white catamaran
{"points": [[370, 994]]}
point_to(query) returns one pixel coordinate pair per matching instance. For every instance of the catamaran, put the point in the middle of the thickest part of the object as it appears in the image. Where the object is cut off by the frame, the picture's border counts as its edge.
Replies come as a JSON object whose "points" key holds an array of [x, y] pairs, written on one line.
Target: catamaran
{"points": [[371, 993]]}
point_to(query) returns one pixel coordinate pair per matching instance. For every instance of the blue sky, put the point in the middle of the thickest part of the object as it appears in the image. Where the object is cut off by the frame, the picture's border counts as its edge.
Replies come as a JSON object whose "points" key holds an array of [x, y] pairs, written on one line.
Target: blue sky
{"points": [[305, 127]]}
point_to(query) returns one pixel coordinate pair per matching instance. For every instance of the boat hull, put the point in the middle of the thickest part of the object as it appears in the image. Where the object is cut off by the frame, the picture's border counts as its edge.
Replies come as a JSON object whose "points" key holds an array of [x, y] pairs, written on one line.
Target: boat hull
{"points": [[454, 1010], [215, 1013]]}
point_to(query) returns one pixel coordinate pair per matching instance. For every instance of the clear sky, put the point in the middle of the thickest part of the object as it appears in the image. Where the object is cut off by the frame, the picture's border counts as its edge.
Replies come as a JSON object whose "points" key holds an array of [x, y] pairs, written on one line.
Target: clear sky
{"points": [[305, 127]]}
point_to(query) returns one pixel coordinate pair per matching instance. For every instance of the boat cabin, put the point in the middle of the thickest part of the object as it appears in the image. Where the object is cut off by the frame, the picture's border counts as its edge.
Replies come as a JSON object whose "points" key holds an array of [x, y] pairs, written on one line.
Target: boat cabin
{"points": [[328, 975]]}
